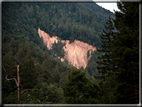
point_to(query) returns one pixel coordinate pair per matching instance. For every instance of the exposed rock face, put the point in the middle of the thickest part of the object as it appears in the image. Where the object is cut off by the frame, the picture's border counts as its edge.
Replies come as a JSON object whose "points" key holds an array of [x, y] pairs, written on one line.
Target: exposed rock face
{"points": [[48, 41], [75, 52]]}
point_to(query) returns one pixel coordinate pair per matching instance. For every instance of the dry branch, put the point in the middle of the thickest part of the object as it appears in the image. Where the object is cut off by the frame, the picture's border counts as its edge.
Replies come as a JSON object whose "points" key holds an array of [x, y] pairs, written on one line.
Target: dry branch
{"points": [[17, 83], [10, 78], [27, 90]]}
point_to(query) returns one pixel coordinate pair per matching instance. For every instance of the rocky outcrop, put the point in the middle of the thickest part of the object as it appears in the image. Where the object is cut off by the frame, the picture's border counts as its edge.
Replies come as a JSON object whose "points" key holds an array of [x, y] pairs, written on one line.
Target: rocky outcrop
{"points": [[75, 52], [48, 41]]}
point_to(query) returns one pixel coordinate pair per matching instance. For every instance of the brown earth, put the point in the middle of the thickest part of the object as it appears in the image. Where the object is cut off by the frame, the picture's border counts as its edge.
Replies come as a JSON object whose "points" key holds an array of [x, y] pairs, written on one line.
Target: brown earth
{"points": [[75, 52]]}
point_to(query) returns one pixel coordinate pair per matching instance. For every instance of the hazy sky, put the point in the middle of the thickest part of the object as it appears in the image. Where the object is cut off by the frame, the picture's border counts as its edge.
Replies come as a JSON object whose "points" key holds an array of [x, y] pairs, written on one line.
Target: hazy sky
{"points": [[109, 6]]}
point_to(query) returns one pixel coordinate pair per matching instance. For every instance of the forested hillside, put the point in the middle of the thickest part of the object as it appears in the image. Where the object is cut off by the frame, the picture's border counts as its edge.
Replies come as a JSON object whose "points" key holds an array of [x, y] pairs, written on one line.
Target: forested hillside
{"points": [[68, 21], [58, 82], [22, 46], [100, 11]]}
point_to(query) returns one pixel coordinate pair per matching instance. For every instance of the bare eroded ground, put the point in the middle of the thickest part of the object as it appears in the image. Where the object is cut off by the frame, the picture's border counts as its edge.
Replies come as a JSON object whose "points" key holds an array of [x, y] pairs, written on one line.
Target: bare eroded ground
{"points": [[75, 52]]}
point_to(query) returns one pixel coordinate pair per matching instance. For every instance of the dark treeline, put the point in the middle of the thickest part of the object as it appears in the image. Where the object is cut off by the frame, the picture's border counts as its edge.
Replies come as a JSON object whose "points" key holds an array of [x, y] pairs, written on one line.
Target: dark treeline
{"points": [[114, 64], [118, 63]]}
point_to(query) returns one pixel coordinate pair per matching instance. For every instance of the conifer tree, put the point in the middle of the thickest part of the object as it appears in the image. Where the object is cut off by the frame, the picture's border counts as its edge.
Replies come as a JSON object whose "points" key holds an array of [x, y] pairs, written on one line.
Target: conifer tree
{"points": [[126, 49], [80, 90], [105, 60]]}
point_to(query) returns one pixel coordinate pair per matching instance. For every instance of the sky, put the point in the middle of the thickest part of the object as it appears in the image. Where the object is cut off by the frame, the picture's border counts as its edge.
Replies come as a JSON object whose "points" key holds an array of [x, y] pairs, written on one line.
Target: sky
{"points": [[109, 6]]}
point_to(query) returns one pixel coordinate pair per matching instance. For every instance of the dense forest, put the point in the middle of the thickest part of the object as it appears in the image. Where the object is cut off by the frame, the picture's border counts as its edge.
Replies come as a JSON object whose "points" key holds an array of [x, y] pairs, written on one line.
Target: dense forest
{"points": [[68, 21], [112, 74], [100, 11]]}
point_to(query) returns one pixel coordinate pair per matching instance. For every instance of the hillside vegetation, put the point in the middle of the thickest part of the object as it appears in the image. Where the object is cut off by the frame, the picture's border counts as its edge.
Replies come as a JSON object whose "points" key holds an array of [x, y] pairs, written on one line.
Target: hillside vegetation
{"points": [[22, 45], [68, 21], [100, 11], [58, 82]]}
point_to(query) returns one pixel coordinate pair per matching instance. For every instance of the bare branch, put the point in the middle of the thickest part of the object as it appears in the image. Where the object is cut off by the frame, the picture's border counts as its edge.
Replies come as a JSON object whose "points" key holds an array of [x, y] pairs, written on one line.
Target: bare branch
{"points": [[27, 90], [10, 78]]}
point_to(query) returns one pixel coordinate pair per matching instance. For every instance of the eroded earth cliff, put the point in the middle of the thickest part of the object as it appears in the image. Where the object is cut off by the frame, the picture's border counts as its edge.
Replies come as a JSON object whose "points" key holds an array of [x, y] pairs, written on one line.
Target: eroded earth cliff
{"points": [[75, 52]]}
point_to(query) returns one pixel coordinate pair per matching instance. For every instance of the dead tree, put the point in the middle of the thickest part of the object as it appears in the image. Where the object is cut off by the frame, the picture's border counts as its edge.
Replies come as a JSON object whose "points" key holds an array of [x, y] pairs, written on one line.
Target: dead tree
{"points": [[18, 84]]}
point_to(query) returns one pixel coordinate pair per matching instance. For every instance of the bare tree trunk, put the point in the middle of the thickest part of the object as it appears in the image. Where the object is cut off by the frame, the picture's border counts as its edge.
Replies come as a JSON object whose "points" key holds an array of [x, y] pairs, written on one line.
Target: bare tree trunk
{"points": [[18, 84]]}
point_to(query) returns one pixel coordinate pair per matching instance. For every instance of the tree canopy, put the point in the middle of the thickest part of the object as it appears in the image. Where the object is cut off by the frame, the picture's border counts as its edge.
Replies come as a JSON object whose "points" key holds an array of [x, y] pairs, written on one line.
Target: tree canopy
{"points": [[80, 90], [59, 82]]}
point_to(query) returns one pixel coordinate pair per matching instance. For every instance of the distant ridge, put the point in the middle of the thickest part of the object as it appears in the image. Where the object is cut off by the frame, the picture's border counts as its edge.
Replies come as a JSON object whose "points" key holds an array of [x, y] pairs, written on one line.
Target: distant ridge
{"points": [[98, 10]]}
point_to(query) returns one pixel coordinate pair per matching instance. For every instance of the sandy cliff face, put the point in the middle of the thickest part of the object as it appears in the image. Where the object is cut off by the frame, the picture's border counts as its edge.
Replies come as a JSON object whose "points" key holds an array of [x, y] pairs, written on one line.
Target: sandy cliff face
{"points": [[48, 41], [75, 52]]}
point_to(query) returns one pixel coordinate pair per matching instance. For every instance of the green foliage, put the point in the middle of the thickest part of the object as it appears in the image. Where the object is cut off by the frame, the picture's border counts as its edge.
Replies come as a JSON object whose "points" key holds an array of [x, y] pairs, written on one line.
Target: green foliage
{"points": [[68, 21], [105, 60], [79, 90], [47, 94], [57, 48], [88, 54], [122, 85], [109, 93], [33, 67], [92, 66], [101, 12], [40, 69], [27, 72], [20, 23], [126, 49], [101, 59], [11, 98], [22, 46]]}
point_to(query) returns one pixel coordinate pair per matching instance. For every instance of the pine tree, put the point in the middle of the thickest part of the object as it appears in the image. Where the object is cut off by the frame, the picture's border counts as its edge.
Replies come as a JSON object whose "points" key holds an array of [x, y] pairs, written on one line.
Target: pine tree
{"points": [[126, 49], [80, 90], [27, 73], [105, 60]]}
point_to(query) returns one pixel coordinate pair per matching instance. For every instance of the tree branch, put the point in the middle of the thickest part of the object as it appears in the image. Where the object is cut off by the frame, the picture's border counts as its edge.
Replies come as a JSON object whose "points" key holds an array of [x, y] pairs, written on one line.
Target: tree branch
{"points": [[27, 90], [10, 78]]}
